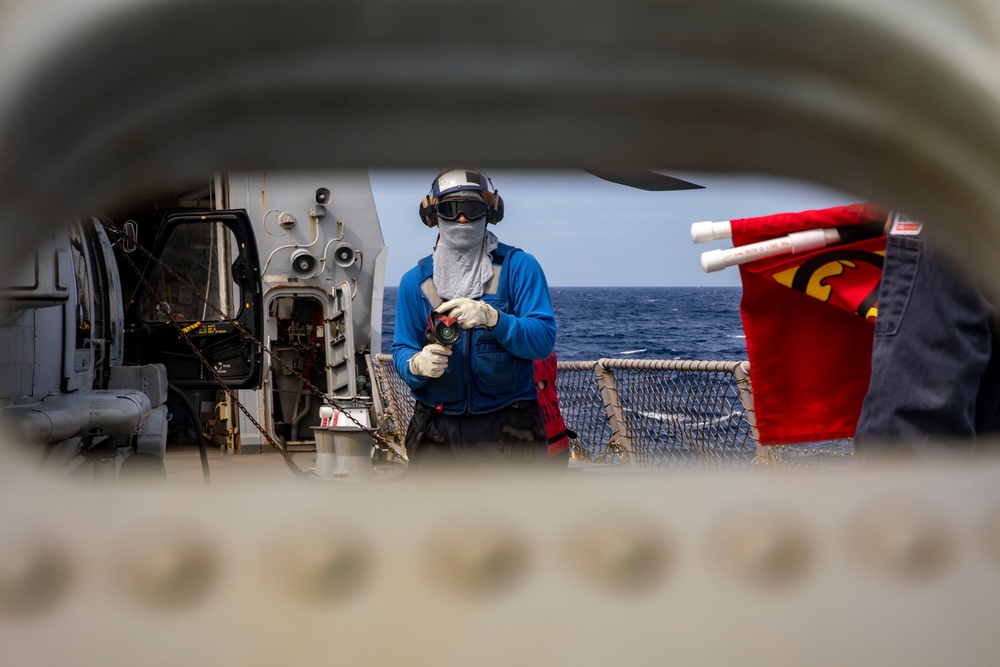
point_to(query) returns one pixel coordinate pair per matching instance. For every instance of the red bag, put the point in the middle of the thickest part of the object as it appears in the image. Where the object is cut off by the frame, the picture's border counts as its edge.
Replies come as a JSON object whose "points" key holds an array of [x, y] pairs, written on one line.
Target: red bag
{"points": [[548, 400]]}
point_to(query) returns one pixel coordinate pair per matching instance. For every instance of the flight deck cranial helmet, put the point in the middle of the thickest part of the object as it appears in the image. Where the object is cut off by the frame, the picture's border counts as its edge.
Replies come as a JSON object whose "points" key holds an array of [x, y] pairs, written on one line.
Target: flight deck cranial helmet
{"points": [[449, 186]]}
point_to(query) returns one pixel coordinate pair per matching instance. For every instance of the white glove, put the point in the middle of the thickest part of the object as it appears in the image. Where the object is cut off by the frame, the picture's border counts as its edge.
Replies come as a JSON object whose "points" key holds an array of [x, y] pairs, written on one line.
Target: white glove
{"points": [[431, 361], [470, 313]]}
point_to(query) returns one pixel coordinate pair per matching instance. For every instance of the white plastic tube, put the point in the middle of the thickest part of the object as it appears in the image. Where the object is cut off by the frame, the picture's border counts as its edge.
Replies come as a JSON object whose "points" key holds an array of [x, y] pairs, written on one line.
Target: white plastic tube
{"points": [[796, 242], [703, 232]]}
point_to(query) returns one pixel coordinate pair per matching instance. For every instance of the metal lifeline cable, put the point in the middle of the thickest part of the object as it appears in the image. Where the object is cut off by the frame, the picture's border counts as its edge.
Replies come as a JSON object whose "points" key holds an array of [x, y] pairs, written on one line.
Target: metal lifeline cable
{"points": [[232, 394], [378, 439], [663, 415]]}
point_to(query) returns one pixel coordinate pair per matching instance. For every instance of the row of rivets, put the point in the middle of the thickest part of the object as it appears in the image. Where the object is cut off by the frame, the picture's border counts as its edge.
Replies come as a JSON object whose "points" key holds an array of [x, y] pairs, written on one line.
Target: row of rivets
{"points": [[174, 570]]}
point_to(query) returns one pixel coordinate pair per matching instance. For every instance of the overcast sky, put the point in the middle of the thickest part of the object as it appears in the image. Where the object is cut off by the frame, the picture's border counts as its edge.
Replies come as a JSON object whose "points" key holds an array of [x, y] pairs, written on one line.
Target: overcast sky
{"points": [[586, 231]]}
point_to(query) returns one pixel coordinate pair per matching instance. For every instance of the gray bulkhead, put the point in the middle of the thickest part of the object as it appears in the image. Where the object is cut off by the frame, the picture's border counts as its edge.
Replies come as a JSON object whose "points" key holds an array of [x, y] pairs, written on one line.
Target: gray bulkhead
{"points": [[322, 261]]}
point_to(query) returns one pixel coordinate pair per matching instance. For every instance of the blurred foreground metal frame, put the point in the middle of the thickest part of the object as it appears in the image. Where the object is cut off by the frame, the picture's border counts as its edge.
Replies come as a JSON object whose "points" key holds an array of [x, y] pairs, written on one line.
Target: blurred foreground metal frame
{"points": [[897, 101]]}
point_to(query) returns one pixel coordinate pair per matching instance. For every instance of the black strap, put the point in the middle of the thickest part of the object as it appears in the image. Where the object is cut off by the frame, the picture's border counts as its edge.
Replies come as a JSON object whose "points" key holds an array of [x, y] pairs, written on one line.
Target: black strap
{"points": [[566, 433]]}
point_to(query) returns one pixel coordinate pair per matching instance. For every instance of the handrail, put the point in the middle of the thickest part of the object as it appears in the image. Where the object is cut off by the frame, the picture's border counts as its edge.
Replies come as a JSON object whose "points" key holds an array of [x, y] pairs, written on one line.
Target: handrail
{"points": [[659, 414]]}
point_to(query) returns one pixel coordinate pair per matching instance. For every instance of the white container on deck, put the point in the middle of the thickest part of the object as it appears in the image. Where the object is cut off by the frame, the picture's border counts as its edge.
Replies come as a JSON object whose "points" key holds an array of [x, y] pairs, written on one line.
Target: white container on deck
{"points": [[343, 446]]}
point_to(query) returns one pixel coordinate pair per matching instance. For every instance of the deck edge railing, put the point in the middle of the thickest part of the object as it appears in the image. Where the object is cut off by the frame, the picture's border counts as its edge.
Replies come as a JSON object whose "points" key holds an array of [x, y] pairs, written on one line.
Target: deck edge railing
{"points": [[625, 408]]}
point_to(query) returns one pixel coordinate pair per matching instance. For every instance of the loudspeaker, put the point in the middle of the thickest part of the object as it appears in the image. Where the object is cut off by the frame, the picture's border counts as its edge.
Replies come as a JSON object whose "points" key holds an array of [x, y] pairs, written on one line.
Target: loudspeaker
{"points": [[344, 255], [303, 264]]}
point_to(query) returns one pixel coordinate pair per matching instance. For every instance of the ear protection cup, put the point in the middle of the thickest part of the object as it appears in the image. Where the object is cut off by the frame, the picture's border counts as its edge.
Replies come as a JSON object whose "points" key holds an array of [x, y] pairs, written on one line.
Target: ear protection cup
{"points": [[493, 199], [495, 214], [428, 211]]}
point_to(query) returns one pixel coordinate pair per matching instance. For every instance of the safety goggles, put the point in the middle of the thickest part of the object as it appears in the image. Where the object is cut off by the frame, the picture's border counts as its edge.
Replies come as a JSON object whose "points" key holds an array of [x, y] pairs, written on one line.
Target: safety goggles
{"points": [[472, 209]]}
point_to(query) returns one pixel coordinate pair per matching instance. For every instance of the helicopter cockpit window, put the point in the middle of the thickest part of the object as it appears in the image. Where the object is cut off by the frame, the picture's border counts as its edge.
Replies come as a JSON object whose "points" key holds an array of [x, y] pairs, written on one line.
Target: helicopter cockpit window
{"points": [[200, 254]]}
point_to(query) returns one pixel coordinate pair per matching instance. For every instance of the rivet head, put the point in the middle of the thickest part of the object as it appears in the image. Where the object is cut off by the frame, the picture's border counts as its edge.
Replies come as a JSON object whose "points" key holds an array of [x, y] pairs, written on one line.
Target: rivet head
{"points": [[324, 568], [479, 560], [171, 571], [34, 577], [765, 551], [906, 543], [621, 555]]}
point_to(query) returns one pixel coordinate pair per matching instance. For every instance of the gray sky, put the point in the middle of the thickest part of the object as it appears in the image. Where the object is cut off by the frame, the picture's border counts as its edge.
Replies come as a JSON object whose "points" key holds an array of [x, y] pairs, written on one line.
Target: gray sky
{"points": [[586, 231]]}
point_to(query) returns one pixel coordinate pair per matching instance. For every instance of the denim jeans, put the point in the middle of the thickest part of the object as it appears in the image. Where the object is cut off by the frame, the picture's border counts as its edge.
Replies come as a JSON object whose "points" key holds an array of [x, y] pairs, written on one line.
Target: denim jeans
{"points": [[935, 368]]}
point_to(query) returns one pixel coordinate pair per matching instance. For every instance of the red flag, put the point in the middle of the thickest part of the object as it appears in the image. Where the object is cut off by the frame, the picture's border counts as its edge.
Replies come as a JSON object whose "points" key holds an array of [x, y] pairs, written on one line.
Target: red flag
{"points": [[808, 320]]}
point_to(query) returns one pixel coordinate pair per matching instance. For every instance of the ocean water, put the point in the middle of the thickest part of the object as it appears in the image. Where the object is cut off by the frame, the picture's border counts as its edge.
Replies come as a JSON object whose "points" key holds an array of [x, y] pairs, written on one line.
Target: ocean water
{"points": [[690, 323]]}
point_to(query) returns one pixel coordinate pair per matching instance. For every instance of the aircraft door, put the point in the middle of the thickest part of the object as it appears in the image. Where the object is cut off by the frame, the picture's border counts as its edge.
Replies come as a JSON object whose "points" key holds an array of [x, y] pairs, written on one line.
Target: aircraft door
{"points": [[204, 286]]}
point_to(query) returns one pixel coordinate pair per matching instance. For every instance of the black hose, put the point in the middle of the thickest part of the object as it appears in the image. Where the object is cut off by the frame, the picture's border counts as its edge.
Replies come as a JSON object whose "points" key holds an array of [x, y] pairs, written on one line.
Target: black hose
{"points": [[196, 416]]}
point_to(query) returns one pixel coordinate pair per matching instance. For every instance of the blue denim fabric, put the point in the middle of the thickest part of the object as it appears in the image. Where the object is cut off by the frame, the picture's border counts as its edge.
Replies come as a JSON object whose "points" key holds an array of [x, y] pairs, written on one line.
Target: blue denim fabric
{"points": [[935, 366]]}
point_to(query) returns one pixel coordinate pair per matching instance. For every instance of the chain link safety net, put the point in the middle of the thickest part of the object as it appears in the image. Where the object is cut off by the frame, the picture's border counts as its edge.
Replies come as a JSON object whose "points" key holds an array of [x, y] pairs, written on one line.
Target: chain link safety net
{"points": [[396, 399], [681, 415], [598, 438], [661, 415]]}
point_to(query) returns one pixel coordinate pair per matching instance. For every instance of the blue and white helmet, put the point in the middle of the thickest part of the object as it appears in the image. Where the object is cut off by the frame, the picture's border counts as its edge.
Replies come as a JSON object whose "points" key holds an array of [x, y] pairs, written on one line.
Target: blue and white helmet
{"points": [[452, 181]]}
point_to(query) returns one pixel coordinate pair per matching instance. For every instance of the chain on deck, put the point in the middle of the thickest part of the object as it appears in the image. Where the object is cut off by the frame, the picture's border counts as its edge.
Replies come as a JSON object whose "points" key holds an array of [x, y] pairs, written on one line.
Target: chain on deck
{"points": [[663, 415]]}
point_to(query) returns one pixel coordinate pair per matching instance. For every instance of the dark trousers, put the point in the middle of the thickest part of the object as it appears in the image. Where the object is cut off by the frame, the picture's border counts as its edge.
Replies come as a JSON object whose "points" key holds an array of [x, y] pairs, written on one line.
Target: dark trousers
{"points": [[936, 361], [513, 435]]}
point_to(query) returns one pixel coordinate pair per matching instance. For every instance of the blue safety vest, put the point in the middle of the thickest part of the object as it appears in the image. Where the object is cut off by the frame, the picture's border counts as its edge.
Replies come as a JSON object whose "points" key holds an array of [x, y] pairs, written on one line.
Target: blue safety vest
{"points": [[482, 375]]}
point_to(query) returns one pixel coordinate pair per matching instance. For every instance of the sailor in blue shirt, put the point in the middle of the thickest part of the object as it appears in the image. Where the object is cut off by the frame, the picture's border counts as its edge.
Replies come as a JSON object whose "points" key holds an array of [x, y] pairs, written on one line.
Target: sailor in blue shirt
{"points": [[475, 399]]}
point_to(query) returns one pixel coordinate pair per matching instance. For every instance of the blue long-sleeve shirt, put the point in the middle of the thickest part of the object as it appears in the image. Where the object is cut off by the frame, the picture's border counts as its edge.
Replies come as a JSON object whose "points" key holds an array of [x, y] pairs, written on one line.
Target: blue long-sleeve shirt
{"points": [[487, 370]]}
